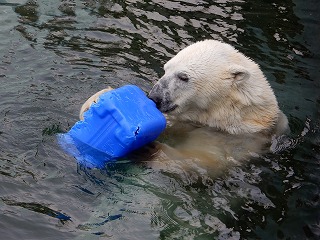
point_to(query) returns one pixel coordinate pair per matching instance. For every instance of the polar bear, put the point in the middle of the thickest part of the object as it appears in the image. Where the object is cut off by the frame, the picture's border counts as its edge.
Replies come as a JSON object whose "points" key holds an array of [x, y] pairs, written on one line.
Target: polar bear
{"points": [[222, 102], [212, 84]]}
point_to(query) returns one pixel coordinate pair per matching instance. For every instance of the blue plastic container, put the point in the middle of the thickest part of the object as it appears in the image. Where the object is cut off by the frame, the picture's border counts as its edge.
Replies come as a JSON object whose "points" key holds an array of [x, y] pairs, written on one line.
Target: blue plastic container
{"points": [[121, 121]]}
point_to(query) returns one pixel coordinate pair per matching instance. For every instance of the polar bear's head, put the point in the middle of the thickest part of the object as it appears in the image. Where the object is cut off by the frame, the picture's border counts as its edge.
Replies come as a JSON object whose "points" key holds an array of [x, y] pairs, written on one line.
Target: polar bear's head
{"points": [[211, 83]]}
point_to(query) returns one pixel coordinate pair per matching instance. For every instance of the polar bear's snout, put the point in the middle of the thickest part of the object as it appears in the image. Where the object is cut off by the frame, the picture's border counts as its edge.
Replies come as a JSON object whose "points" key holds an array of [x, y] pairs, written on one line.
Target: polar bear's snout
{"points": [[155, 95], [162, 98]]}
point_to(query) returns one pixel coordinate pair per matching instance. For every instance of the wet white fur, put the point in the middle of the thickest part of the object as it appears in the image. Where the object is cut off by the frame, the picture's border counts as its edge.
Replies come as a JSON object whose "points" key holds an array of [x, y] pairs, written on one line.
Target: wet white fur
{"points": [[226, 90]]}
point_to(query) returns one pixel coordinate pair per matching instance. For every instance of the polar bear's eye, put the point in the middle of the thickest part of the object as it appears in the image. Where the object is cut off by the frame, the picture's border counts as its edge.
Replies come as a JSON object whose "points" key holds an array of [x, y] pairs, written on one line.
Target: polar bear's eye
{"points": [[183, 77]]}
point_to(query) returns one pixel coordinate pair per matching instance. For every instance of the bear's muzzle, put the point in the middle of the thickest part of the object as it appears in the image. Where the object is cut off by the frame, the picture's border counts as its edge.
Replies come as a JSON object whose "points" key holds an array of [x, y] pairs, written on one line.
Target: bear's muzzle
{"points": [[162, 98]]}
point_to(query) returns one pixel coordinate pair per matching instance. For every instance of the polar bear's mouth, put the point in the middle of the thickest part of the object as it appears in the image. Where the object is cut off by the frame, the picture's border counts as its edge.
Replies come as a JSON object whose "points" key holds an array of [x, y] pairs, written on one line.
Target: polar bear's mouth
{"points": [[169, 109], [162, 101], [166, 107]]}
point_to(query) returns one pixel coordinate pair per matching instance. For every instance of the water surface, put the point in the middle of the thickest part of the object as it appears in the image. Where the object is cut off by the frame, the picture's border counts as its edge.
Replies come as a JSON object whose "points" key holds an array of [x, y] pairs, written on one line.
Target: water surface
{"points": [[55, 54]]}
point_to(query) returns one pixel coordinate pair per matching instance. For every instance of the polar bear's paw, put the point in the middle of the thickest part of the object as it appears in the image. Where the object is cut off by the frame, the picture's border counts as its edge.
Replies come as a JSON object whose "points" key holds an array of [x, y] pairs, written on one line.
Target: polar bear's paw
{"points": [[93, 99]]}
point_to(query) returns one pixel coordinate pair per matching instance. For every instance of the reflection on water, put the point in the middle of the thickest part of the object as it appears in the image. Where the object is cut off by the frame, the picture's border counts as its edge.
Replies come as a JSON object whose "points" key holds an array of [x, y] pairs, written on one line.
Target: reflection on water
{"points": [[55, 54]]}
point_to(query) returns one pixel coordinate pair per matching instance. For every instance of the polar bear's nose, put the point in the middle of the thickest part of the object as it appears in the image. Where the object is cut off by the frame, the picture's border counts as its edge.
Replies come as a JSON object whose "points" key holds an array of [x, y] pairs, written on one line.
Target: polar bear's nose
{"points": [[155, 95], [155, 98]]}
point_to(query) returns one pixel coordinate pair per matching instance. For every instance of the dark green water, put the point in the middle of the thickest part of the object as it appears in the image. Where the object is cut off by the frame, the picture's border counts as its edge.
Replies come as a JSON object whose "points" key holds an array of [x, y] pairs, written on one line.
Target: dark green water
{"points": [[55, 54]]}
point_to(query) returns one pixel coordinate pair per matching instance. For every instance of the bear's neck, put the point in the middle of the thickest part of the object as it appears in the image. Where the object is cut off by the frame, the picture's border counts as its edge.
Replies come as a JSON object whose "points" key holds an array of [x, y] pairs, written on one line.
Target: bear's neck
{"points": [[238, 115]]}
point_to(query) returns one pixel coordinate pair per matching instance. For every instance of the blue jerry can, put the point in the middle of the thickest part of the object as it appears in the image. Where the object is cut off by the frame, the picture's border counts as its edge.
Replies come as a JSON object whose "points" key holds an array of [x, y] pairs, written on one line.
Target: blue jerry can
{"points": [[121, 121]]}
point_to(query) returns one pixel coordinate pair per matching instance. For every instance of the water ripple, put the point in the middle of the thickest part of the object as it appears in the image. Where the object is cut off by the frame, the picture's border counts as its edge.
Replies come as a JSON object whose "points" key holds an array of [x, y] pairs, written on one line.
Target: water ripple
{"points": [[55, 54]]}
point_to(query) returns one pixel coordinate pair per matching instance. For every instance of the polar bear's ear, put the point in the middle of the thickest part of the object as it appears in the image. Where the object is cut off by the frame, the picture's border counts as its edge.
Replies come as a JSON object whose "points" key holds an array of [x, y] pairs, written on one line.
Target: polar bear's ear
{"points": [[238, 73]]}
